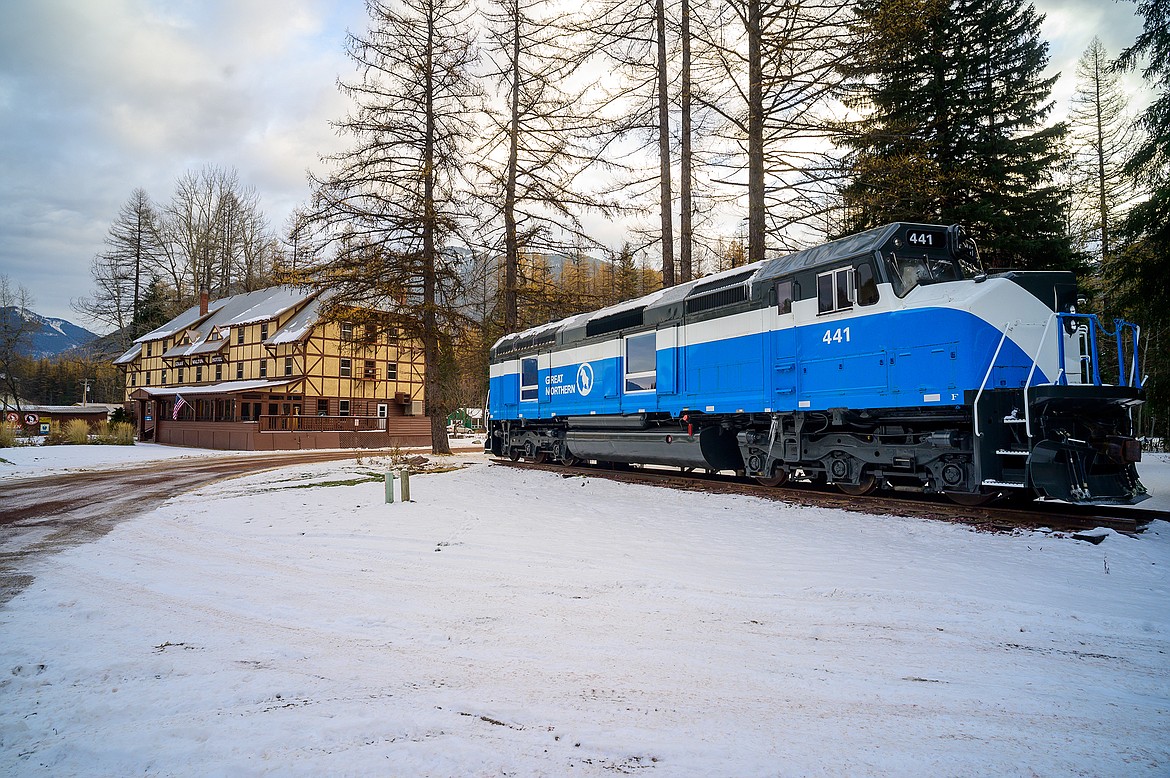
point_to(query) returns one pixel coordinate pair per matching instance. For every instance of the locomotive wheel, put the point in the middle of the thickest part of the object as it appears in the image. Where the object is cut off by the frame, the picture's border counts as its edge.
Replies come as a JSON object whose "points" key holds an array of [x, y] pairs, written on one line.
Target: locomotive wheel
{"points": [[868, 485], [971, 500], [779, 478], [568, 460], [514, 454], [539, 457]]}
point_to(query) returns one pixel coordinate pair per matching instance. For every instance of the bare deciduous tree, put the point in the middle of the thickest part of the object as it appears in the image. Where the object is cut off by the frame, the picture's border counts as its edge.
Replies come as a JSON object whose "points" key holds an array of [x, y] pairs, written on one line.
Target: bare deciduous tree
{"points": [[538, 140], [1103, 138], [779, 60], [214, 236], [123, 271], [632, 35], [393, 202], [16, 331]]}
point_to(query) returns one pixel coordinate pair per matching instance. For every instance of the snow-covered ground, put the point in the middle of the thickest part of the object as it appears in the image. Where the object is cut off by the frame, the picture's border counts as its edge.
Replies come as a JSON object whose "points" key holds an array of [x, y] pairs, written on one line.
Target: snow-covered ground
{"points": [[26, 461], [522, 623]]}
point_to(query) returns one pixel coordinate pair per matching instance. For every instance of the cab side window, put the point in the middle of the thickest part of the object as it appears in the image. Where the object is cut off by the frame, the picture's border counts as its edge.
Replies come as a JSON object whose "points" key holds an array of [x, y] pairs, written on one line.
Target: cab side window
{"points": [[866, 280], [529, 387], [784, 296], [835, 290]]}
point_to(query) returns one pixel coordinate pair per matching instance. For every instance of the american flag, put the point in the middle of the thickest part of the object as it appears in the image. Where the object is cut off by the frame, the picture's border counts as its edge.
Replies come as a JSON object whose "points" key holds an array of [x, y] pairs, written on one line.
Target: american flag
{"points": [[179, 403]]}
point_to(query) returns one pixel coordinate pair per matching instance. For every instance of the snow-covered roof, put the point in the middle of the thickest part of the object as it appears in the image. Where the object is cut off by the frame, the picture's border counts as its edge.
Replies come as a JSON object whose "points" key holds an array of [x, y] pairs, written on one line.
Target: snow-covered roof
{"points": [[130, 355], [299, 326], [92, 408], [183, 321], [224, 387], [261, 305], [211, 332], [237, 310]]}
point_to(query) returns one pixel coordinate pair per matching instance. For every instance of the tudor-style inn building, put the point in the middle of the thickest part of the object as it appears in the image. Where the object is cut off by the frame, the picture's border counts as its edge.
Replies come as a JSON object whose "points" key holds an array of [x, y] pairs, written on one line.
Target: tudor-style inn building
{"points": [[263, 371]]}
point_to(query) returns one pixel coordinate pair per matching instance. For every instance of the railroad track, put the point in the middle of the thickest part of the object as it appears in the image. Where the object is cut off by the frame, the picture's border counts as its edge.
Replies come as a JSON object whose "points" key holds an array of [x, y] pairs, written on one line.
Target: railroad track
{"points": [[995, 517]]}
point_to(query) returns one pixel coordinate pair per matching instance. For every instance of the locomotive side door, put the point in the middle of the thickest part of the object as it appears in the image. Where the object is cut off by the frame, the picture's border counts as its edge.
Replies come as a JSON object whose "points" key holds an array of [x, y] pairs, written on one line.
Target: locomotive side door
{"points": [[544, 369], [784, 357]]}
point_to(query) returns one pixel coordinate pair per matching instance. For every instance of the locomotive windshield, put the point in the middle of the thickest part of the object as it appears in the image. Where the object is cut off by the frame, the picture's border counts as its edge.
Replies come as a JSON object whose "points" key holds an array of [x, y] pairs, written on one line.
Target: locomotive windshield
{"points": [[908, 271]]}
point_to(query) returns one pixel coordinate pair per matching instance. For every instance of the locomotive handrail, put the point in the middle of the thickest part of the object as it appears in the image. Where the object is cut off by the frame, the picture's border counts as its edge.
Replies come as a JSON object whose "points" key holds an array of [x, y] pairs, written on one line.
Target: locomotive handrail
{"points": [[987, 375], [1134, 380], [1094, 357], [1035, 362], [1095, 324]]}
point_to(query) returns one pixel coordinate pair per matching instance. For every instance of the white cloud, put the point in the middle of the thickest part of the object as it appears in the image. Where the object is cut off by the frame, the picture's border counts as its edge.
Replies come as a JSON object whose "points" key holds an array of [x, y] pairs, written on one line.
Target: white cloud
{"points": [[99, 98]]}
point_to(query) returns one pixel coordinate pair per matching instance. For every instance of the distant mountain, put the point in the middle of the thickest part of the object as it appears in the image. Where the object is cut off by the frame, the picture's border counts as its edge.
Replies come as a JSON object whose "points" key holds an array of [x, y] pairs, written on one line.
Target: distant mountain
{"points": [[52, 336]]}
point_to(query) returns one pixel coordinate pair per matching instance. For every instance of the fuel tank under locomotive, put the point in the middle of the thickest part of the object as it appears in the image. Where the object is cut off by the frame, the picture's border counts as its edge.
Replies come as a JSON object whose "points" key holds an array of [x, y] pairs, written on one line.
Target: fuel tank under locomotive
{"points": [[711, 448]]}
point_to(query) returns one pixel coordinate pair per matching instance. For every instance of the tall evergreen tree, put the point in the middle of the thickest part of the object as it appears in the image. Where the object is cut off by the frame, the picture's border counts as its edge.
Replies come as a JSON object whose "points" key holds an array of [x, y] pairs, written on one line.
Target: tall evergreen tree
{"points": [[953, 100], [1148, 222], [1136, 279]]}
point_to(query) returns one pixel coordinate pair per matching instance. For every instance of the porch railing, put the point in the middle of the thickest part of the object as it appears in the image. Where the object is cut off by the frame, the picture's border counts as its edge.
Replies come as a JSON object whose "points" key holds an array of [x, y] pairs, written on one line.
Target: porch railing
{"points": [[322, 423]]}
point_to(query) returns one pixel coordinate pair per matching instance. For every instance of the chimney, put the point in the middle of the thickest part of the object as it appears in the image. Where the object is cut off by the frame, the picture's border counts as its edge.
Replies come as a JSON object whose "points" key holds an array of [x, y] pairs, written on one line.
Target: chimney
{"points": [[204, 298]]}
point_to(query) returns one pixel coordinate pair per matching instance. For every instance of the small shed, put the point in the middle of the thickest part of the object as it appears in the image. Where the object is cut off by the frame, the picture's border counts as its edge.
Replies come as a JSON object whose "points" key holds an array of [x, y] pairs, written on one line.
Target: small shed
{"points": [[32, 417], [470, 419]]}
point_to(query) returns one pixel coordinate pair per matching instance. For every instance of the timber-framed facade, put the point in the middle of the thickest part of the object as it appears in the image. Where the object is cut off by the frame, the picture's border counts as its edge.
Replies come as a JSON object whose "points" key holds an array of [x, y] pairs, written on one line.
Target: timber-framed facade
{"points": [[264, 371]]}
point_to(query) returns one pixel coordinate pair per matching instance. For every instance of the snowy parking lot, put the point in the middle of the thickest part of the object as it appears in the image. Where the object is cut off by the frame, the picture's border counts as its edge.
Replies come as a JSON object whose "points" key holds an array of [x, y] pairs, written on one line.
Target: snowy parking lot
{"points": [[525, 623]]}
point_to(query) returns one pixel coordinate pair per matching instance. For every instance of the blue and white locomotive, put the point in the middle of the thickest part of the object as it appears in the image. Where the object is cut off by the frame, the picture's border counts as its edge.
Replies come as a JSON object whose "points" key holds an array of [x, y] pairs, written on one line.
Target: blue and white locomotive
{"points": [[885, 359]]}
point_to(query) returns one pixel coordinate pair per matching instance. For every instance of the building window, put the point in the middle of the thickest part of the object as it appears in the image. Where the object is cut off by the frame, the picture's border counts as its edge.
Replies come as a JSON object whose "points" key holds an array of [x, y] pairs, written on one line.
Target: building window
{"points": [[641, 363], [182, 372], [163, 380], [529, 389], [346, 369], [239, 371], [370, 370], [149, 348], [219, 372], [371, 333], [148, 378], [347, 330], [288, 365], [263, 368], [239, 336], [383, 410], [835, 290], [322, 407], [391, 371], [263, 331], [199, 374], [343, 407], [133, 379]]}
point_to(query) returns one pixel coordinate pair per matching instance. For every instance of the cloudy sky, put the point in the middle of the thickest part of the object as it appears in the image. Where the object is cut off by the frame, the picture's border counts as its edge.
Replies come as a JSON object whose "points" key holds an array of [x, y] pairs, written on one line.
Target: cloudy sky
{"points": [[98, 97]]}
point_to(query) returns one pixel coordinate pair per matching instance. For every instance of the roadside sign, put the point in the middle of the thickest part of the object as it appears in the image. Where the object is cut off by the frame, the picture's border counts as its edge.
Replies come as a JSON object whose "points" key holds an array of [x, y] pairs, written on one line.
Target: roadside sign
{"points": [[44, 428], [13, 417], [31, 418]]}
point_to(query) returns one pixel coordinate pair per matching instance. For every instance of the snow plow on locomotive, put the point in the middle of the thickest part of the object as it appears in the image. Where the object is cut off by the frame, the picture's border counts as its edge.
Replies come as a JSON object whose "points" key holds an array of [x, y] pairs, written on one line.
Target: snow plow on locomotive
{"points": [[887, 359]]}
